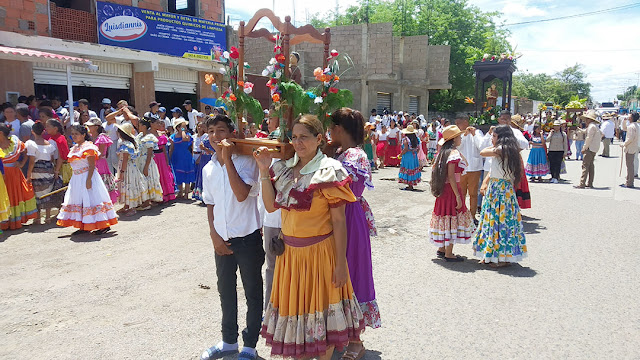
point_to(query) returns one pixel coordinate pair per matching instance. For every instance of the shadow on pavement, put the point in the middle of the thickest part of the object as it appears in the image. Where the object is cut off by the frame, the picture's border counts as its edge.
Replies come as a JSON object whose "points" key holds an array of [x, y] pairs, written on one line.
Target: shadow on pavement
{"points": [[473, 265], [369, 355], [532, 225]]}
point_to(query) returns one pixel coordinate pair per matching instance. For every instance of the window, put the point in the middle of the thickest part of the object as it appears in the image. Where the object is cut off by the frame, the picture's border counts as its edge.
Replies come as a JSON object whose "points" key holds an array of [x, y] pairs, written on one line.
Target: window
{"points": [[414, 105], [76, 4], [383, 102], [185, 7]]}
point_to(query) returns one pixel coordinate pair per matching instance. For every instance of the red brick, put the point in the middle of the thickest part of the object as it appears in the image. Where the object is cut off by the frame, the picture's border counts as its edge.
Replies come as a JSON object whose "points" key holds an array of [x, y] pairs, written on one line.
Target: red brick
{"points": [[10, 23], [30, 5], [13, 13]]}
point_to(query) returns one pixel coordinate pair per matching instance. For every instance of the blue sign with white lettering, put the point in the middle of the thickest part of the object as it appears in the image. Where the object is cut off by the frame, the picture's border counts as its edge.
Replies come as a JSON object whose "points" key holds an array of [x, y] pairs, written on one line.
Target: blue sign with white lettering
{"points": [[156, 31]]}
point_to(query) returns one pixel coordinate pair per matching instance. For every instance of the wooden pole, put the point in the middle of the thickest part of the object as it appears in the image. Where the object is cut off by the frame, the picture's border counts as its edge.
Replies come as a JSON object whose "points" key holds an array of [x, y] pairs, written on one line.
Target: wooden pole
{"points": [[54, 192], [327, 41], [241, 51]]}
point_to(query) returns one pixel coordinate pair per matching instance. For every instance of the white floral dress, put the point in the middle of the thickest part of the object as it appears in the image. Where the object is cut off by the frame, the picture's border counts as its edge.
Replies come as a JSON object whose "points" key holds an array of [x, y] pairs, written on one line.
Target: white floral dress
{"points": [[133, 187], [154, 188]]}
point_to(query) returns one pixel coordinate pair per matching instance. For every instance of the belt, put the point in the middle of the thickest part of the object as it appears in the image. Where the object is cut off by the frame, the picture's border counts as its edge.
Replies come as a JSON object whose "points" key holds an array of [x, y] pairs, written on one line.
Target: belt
{"points": [[80, 171], [306, 241], [159, 151]]}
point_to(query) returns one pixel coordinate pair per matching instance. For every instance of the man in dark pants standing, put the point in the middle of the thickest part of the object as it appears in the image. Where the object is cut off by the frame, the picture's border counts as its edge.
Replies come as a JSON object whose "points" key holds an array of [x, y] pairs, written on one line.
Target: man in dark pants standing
{"points": [[230, 190]]}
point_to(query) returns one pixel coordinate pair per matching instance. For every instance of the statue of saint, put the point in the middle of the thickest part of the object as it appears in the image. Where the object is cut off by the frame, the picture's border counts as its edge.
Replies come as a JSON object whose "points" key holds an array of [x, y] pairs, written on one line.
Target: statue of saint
{"points": [[294, 71], [492, 96]]}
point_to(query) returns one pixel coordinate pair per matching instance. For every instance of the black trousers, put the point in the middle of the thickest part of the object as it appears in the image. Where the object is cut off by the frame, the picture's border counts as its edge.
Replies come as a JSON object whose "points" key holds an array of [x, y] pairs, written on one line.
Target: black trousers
{"points": [[248, 255], [555, 163]]}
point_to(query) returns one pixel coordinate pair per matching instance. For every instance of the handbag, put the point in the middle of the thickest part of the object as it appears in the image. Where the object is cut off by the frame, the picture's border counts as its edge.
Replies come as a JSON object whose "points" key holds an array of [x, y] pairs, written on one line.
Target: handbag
{"points": [[276, 246]]}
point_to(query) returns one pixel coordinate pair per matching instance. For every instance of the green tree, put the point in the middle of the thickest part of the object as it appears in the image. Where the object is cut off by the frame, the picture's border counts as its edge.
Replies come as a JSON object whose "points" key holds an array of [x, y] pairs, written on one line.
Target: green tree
{"points": [[558, 88], [468, 30]]}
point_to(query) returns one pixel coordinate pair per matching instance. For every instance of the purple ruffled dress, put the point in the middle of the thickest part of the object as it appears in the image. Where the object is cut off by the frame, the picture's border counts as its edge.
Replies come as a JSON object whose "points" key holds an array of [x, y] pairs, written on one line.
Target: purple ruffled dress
{"points": [[360, 228]]}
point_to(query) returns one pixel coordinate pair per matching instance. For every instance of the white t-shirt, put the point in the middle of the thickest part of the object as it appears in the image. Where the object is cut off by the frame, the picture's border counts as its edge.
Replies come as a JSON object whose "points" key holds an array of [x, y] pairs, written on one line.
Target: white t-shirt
{"points": [[193, 118], [381, 136], [393, 133], [42, 152]]}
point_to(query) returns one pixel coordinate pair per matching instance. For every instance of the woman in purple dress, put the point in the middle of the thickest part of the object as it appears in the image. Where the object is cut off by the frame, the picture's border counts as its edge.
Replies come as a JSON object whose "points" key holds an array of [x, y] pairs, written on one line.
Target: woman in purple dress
{"points": [[347, 131]]}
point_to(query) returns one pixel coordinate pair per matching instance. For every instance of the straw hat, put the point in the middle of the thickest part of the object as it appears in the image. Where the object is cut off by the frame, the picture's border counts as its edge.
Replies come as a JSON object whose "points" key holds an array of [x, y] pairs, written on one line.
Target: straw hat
{"points": [[94, 121], [410, 130], [516, 120], [378, 118], [126, 128], [590, 115], [557, 123], [369, 125], [450, 132], [606, 116], [179, 121]]}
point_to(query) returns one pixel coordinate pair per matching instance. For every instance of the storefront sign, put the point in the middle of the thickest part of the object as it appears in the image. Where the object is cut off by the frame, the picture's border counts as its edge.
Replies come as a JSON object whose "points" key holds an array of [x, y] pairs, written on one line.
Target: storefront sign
{"points": [[156, 31]]}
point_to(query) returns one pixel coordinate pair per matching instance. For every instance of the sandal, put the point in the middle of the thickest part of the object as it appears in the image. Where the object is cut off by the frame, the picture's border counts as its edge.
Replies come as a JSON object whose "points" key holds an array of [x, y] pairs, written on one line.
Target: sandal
{"points": [[130, 212], [215, 352], [144, 208], [352, 355], [499, 265], [440, 254]]}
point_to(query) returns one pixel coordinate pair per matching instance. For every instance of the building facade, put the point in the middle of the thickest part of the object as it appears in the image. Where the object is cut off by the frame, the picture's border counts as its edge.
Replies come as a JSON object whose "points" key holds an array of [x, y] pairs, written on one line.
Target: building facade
{"points": [[388, 71], [70, 27]]}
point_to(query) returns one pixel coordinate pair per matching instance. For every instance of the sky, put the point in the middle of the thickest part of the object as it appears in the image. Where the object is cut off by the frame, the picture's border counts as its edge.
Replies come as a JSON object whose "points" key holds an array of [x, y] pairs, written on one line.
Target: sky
{"points": [[603, 43]]}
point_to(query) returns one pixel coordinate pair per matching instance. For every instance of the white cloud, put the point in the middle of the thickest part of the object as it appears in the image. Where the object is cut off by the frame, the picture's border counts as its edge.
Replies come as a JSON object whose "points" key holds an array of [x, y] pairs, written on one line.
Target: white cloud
{"points": [[521, 10]]}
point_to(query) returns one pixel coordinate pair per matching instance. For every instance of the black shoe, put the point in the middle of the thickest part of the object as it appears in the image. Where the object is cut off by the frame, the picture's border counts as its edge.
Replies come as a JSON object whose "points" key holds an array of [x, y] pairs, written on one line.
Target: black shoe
{"points": [[79, 232], [101, 231]]}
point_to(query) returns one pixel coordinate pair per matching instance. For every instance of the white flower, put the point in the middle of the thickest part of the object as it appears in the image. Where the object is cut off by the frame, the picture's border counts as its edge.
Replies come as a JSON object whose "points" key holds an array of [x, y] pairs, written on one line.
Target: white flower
{"points": [[271, 69], [265, 72], [318, 100], [248, 90], [493, 117], [223, 71], [225, 54], [278, 74], [326, 83], [272, 61]]}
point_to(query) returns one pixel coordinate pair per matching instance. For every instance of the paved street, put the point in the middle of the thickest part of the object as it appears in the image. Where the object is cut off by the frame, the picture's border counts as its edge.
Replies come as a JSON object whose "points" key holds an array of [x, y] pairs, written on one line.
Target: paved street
{"points": [[143, 292]]}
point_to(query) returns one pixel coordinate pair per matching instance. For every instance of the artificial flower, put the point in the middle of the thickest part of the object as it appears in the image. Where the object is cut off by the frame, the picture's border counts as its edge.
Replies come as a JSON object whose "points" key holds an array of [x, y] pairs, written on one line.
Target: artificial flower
{"points": [[234, 54], [317, 72], [277, 49], [214, 87], [336, 78], [334, 53], [326, 83], [324, 94], [469, 100], [265, 72], [280, 58], [222, 71], [225, 54], [311, 95], [233, 97], [277, 74], [276, 97], [246, 65], [240, 83], [208, 79], [248, 90], [272, 61], [318, 100], [333, 90]]}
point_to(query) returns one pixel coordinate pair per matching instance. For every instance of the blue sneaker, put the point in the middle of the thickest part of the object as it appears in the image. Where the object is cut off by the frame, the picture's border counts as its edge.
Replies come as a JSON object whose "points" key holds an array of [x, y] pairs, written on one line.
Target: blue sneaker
{"points": [[247, 356], [215, 352]]}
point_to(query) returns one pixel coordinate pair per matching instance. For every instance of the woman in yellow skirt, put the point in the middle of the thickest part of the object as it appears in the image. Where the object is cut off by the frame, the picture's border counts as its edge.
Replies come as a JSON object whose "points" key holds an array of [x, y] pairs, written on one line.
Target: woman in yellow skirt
{"points": [[313, 308]]}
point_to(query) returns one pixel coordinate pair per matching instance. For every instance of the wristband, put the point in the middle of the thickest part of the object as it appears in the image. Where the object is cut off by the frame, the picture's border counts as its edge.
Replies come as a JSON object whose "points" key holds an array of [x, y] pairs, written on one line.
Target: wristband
{"points": [[265, 178]]}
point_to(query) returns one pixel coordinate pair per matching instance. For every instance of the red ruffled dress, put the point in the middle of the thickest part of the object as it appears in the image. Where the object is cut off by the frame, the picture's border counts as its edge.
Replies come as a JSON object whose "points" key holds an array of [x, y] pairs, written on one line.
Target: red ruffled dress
{"points": [[448, 225]]}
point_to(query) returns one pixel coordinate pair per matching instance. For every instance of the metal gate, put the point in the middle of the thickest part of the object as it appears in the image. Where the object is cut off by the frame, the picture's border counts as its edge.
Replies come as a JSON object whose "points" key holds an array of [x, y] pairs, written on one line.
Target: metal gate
{"points": [[383, 101]]}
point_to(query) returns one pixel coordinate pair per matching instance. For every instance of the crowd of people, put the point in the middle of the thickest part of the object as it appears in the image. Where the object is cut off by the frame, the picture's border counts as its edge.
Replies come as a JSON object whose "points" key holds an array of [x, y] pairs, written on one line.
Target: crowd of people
{"points": [[305, 216], [85, 163]]}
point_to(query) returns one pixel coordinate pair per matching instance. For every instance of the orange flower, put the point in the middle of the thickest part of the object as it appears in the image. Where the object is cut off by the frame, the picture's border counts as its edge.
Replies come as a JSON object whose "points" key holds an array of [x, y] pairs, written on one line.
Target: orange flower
{"points": [[240, 83], [233, 97], [336, 78], [276, 97], [317, 72]]}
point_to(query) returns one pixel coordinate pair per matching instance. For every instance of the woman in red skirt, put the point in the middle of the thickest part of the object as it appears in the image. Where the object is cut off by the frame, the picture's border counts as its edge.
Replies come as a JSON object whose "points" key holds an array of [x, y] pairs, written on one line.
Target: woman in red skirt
{"points": [[393, 150], [451, 222], [382, 145]]}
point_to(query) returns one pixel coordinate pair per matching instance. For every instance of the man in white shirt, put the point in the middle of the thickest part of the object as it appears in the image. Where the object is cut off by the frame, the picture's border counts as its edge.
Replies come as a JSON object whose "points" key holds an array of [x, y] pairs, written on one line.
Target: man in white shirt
{"points": [[177, 116], [230, 191], [83, 105], [630, 148], [470, 147], [271, 224], [608, 129], [529, 126], [192, 114], [374, 113], [590, 148]]}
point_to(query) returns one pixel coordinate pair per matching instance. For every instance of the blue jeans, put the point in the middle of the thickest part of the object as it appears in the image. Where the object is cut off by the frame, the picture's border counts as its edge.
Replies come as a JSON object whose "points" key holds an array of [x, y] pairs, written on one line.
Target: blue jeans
{"points": [[579, 145]]}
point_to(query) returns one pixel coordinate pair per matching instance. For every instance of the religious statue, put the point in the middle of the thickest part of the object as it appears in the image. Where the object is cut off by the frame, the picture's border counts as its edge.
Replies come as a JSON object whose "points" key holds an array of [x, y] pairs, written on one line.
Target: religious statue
{"points": [[294, 71], [492, 96]]}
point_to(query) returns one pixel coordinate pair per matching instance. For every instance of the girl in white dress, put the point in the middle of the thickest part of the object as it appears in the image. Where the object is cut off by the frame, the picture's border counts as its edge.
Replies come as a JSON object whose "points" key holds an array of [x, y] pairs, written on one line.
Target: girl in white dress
{"points": [[133, 187], [87, 204], [147, 142]]}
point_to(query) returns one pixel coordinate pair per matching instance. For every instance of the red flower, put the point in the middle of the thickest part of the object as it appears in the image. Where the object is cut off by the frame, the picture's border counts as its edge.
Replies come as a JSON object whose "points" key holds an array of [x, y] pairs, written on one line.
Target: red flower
{"points": [[233, 97], [334, 53], [333, 90], [324, 94], [233, 53], [280, 58]]}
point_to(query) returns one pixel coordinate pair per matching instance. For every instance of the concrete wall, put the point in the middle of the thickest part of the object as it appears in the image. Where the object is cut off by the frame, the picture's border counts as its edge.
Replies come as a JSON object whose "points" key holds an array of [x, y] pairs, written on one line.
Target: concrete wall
{"points": [[17, 76], [402, 66]]}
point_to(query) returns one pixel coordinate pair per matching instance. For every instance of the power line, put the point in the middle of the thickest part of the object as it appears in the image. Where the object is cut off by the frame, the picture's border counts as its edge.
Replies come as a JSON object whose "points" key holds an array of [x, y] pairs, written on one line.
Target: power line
{"points": [[580, 51], [624, 7]]}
